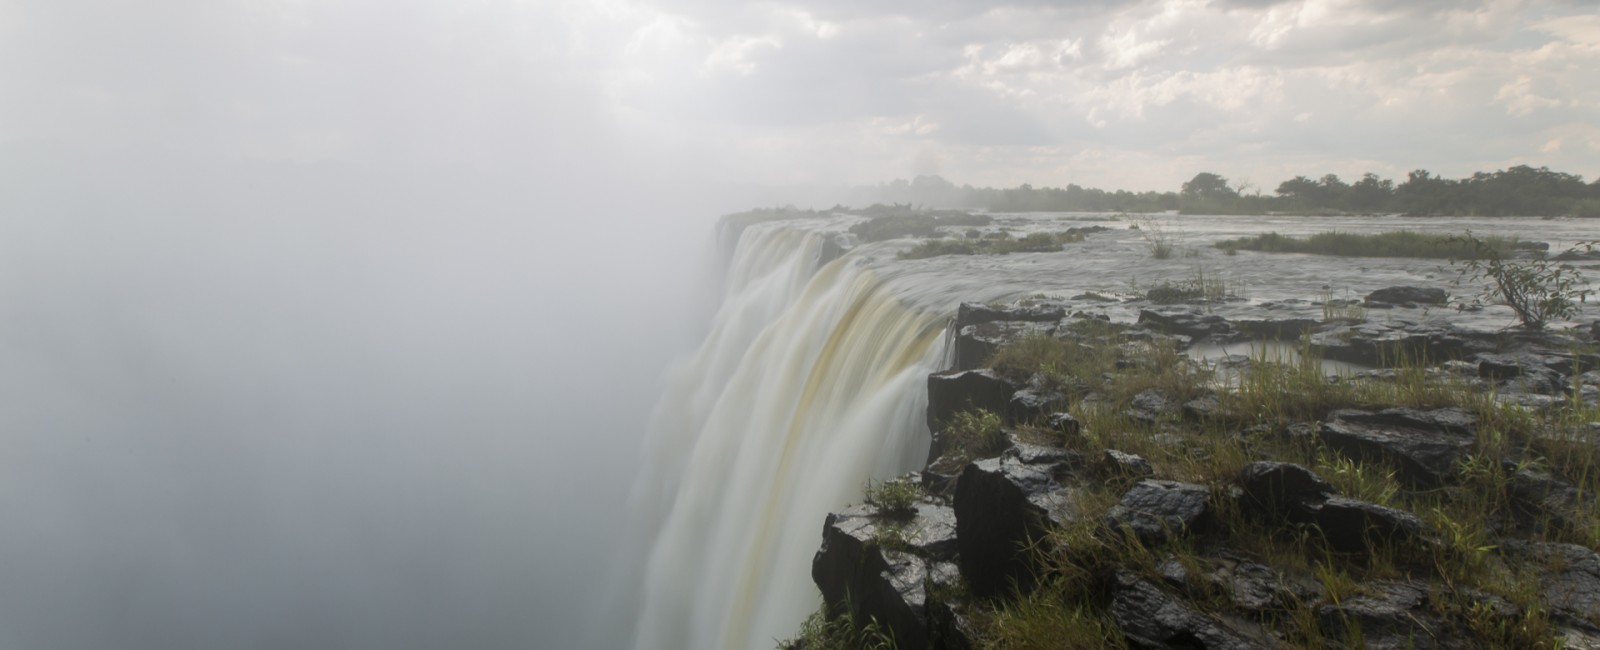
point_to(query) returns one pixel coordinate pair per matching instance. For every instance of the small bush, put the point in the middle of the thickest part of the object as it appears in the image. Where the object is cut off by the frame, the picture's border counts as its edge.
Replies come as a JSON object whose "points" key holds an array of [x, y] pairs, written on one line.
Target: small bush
{"points": [[1537, 290], [893, 498]]}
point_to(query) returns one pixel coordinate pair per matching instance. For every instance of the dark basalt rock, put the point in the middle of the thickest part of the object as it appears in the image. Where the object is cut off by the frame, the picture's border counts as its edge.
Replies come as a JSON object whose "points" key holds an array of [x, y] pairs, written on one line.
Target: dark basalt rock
{"points": [[1377, 344], [1118, 463], [973, 313], [1030, 406], [950, 393], [976, 344], [1001, 506], [1197, 326], [1508, 366], [1528, 373], [1352, 526], [950, 620], [1151, 406], [1064, 423], [1388, 615], [1155, 510], [1424, 446], [857, 570], [1283, 490], [1543, 495], [1408, 296], [1152, 619], [1571, 582]]}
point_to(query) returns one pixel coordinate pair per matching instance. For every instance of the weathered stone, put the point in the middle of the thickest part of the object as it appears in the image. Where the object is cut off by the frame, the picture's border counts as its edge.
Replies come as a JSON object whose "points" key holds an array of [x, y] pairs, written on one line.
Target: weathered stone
{"points": [[1388, 615], [1197, 326], [1118, 463], [1424, 446], [1283, 490], [1572, 589], [950, 393], [1152, 619], [1001, 506], [1382, 343], [1030, 406], [1544, 495], [1352, 526], [1150, 407], [976, 344], [876, 568], [1408, 296], [1064, 423], [950, 620], [1155, 510], [973, 313]]}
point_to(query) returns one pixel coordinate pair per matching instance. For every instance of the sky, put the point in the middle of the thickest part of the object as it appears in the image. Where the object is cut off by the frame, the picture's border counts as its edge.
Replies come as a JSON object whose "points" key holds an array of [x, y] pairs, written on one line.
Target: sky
{"points": [[1106, 93], [339, 323]]}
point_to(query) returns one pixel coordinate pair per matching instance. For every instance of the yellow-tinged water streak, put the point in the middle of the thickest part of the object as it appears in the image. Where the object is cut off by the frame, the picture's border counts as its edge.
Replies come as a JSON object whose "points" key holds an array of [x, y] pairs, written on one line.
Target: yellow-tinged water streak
{"points": [[811, 381]]}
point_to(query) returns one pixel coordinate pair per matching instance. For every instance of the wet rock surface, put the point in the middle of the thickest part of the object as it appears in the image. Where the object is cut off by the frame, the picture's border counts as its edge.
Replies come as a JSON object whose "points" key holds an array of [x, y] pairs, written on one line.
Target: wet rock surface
{"points": [[1285, 491], [876, 567], [1424, 446], [950, 393], [1352, 526], [1155, 510], [1002, 506], [1408, 296], [1153, 618], [977, 542]]}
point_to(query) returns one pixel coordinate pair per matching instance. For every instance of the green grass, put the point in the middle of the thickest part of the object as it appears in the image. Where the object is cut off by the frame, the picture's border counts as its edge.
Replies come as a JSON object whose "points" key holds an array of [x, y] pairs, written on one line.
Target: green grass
{"points": [[1101, 371], [895, 499], [1203, 286], [1399, 243], [1000, 243], [975, 434]]}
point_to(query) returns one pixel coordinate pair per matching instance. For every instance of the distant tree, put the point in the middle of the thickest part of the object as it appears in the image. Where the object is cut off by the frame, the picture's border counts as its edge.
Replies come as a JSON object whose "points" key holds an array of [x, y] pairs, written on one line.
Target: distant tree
{"points": [[1370, 193], [1207, 185], [1301, 189]]}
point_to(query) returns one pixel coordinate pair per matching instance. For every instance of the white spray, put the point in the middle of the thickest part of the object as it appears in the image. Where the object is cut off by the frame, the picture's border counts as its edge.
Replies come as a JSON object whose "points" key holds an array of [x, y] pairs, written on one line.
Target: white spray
{"points": [[810, 381]]}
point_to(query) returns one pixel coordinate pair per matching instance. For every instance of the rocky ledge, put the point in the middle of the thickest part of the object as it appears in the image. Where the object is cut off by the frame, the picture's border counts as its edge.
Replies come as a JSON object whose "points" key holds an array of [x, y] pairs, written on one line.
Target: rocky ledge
{"points": [[1259, 530]]}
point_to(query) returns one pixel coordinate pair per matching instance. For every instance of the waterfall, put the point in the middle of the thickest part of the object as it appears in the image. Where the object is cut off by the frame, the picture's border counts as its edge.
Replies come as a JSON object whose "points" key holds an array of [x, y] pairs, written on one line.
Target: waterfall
{"points": [[810, 381]]}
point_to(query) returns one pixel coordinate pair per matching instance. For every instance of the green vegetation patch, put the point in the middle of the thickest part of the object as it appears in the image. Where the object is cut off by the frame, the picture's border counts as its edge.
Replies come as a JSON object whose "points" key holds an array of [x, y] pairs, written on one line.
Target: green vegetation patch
{"points": [[896, 222], [999, 244], [1472, 579], [1399, 243]]}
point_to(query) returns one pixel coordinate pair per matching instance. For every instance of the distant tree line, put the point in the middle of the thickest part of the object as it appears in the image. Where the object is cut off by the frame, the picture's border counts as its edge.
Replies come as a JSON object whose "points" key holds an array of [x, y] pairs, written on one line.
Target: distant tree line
{"points": [[1518, 191]]}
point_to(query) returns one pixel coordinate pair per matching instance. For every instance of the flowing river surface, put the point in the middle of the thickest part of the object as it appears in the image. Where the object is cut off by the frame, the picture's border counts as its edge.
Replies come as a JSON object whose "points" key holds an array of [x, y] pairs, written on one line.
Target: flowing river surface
{"points": [[811, 380]]}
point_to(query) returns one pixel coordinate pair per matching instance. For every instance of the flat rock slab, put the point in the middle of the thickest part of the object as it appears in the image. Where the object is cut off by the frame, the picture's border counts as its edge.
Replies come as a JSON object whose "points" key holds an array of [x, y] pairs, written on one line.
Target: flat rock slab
{"points": [[1388, 616], [1156, 510], [1424, 446], [1283, 490], [1151, 618], [1352, 526]]}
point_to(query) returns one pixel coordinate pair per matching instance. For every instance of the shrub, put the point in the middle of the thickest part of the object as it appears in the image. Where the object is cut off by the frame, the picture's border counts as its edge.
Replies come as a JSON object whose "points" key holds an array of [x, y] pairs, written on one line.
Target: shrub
{"points": [[1537, 290]]}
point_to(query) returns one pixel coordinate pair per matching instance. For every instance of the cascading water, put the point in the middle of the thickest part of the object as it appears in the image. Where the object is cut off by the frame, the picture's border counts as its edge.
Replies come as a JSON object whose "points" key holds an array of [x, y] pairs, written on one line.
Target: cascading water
{"points": [[809, 382]]}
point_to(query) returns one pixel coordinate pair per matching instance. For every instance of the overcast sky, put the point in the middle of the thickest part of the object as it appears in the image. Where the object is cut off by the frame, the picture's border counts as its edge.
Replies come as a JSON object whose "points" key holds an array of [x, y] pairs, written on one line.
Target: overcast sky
{"points": [[1108, 93], [337, 323]]}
